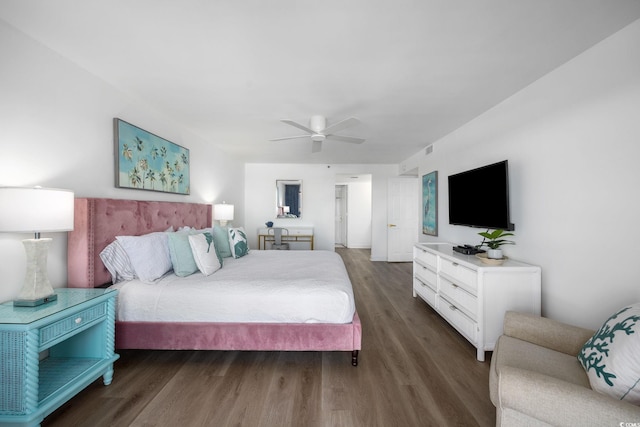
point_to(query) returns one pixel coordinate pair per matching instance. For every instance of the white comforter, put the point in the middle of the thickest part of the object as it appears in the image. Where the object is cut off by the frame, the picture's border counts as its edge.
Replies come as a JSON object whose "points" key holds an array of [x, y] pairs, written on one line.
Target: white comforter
{"points": [[263, 286]]}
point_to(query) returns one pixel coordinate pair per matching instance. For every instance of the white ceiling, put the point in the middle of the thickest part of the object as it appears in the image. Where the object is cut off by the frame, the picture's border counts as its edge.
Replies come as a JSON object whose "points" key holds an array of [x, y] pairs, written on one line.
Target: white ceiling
{"points": [[410, 70]]}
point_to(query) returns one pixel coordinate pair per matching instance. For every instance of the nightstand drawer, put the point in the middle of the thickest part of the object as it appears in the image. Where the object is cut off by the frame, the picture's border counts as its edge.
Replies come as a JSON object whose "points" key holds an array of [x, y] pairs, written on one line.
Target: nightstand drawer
{"points": [[62, 327]]}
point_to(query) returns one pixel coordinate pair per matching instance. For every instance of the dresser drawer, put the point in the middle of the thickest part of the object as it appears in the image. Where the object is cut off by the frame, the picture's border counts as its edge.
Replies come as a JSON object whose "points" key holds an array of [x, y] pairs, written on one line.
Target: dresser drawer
{"points": [[62, 327], [460, 297], [425, 292], [426, 258], [426, 275], [459, 274], [465, 325]]}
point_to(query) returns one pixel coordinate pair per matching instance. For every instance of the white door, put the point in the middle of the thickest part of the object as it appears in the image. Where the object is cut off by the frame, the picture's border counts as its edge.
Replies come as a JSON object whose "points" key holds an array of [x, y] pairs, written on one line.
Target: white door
{"points": [[402, 218], [341, 215]]}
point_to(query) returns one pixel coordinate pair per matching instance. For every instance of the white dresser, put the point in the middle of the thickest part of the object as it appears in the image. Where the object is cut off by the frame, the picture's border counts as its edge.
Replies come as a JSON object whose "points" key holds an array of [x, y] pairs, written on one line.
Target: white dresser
{"points": [[472, 296]]}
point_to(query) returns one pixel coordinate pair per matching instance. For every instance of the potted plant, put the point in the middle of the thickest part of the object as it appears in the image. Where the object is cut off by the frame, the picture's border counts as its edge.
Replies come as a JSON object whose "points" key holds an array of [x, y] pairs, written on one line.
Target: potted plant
{"points": [[493, 240]]}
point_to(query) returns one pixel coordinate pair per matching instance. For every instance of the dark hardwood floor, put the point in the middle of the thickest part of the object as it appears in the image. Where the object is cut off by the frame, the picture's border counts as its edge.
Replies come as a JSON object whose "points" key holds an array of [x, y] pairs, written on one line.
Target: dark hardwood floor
{"points": [[414, 370]]}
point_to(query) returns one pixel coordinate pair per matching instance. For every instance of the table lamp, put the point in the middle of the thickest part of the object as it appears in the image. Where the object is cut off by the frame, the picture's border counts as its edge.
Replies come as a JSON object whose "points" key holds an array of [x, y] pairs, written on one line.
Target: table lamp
{"points": [[35, 210], [223, 212]]}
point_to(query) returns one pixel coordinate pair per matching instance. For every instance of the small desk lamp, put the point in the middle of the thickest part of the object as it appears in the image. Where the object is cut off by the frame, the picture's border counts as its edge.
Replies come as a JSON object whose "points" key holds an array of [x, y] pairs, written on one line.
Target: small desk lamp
{"points": [[223, 212], [35, 210]]}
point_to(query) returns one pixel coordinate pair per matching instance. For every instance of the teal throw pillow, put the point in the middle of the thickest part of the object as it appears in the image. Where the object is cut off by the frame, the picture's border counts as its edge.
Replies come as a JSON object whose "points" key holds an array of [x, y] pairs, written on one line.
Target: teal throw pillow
{"points": [[181, 256], [221, 240]]}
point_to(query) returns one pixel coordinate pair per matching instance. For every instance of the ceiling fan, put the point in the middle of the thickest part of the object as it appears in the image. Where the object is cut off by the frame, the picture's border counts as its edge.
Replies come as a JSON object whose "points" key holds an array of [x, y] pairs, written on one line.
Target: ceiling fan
{"points": [[318, 131]]}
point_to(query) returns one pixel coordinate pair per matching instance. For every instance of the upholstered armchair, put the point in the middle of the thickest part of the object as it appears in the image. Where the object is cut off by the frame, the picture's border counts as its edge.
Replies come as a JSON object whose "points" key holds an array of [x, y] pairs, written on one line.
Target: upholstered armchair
{"points": [[536, 378]]}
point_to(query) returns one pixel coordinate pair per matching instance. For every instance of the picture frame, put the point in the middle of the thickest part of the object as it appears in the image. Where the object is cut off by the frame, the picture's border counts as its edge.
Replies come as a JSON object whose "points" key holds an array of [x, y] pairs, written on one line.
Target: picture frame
{"points": [[144, 161], [430, 203]]}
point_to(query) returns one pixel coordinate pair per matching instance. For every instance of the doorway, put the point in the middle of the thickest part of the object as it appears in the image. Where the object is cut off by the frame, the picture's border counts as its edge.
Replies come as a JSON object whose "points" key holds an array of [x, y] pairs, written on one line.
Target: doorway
{"points": [[353, 211], [341, 215]]}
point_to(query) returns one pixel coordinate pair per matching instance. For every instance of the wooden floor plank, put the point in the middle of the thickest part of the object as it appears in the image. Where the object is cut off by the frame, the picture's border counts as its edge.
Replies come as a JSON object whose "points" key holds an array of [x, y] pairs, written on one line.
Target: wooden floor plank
{"points": [[414, 370]]}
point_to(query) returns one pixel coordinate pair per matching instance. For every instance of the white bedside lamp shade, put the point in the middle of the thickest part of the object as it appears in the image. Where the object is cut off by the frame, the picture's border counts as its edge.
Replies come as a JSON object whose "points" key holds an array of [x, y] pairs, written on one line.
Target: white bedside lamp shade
{"points": [[35, 210], [223, 212]]}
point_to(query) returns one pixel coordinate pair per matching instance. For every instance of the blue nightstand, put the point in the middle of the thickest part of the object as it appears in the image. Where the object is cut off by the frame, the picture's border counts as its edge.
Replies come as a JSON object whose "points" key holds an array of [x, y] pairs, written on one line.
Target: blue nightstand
{"points": [[51, 352]]}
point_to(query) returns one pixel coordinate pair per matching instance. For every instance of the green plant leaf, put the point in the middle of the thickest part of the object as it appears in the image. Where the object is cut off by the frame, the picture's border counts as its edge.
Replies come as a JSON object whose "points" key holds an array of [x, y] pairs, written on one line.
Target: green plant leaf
{"points": [[496, 238]]}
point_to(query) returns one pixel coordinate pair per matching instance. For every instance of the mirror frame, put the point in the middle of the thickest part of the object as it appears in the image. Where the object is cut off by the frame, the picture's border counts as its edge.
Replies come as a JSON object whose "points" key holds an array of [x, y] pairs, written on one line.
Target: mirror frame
{"points": [[280, 198]]}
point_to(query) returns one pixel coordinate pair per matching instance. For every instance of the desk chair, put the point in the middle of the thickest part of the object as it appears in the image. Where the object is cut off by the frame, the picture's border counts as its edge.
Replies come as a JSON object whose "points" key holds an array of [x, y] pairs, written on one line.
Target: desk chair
{"points": [[277, 235]]}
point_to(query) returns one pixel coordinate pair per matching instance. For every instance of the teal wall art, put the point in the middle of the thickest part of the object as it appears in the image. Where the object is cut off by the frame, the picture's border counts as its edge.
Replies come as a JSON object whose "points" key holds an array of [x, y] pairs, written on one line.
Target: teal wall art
{"points": [[430, 203], [145, 161]]}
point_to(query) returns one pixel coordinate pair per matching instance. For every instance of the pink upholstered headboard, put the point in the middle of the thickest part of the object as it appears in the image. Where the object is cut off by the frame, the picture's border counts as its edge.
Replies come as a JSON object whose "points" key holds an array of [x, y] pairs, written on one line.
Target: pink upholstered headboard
{"points": [[99, 221]]}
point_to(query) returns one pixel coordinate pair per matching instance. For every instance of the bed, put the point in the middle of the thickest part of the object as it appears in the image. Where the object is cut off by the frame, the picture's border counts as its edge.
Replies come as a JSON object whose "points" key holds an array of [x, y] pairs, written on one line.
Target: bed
{"points": [[97, 223]]}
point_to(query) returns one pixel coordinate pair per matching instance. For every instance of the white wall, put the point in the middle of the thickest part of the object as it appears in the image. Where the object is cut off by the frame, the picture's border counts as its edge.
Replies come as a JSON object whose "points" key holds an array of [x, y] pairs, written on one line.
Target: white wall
{"points": [[318, 200], [572, 141], [56, 131]]}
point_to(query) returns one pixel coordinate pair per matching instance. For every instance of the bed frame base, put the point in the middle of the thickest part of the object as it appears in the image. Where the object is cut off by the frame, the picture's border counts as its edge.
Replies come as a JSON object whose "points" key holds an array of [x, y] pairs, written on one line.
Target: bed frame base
{"points": [[98, 221], [241, 336]]}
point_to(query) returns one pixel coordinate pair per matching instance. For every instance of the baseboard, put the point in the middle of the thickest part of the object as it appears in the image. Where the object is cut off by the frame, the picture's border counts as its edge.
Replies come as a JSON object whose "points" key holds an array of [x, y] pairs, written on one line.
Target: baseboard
{"points": [[377, 259]]}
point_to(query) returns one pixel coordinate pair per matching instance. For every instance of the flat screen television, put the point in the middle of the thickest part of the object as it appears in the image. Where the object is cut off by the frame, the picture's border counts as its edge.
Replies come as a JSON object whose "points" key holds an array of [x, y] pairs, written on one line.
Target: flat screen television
{"points": [[480, 197]]}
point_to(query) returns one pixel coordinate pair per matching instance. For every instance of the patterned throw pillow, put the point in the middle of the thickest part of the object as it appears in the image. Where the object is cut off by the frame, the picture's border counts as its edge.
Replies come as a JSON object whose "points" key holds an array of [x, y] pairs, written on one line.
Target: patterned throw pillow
{"points": [[238, 242], [204, 253], [115, 258], [611, 357]]}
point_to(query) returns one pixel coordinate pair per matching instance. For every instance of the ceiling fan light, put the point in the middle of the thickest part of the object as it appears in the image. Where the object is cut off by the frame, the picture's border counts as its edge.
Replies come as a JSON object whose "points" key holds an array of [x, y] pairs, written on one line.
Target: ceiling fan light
{"points": [[317, 123], [317, 137]]}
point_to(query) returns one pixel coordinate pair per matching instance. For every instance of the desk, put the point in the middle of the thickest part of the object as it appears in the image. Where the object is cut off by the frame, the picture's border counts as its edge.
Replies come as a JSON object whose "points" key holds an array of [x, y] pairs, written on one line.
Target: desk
{"points": [[296, 234]]}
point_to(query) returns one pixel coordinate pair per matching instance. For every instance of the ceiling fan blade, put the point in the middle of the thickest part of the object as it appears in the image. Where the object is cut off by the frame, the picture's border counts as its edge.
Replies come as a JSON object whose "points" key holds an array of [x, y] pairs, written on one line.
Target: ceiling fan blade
{"points": [[347, 139], [298, 125], [337, 127], [289, 137], [316, 147]]}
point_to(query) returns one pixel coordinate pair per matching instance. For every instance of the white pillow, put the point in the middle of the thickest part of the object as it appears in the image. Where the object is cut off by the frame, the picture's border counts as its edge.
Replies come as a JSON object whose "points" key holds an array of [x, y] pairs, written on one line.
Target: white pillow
{"points": [[149, 255], [611, 357], [116, 260], [238, 242], [204, 253]]}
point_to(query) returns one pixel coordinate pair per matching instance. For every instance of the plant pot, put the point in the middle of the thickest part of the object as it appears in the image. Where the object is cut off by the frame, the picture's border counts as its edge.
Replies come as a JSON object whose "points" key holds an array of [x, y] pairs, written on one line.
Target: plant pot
{"points": [[494, 253]]}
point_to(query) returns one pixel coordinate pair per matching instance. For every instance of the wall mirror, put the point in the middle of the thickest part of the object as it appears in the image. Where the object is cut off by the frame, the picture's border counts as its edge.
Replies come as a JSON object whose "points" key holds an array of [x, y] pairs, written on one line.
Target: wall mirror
{"points": [[288, 198]]}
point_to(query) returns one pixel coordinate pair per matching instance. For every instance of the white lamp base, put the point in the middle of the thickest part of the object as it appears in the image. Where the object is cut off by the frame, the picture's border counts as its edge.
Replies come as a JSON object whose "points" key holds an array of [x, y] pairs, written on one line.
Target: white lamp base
{"points": [[37, 288]]}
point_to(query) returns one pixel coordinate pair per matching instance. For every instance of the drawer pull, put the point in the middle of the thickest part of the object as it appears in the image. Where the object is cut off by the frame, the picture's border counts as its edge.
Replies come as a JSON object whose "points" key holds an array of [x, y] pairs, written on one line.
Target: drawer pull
{"points": [[453, 308], [78, 320], [454, 286], [455, 264]]}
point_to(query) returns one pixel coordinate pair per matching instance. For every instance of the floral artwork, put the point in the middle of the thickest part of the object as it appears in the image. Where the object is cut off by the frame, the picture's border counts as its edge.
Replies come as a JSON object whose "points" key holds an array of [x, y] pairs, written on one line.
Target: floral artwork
{"points": [[430, 203], [145, 161]]}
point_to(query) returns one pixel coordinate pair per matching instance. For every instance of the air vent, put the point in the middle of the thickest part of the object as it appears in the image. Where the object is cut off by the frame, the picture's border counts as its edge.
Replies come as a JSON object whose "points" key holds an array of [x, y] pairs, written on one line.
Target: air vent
{"points": [[428, 150]]}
